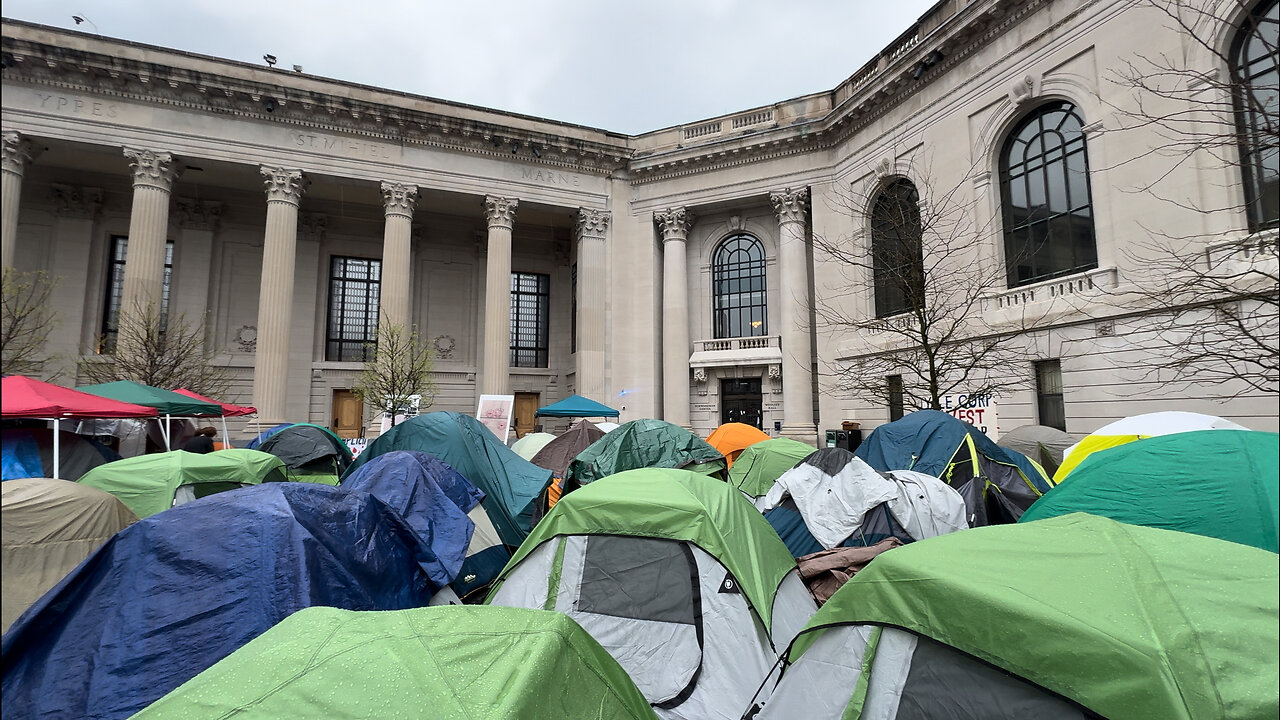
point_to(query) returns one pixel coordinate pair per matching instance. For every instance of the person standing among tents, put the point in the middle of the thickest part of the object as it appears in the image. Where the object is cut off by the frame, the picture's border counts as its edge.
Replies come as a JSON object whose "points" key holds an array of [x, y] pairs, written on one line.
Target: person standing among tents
{"points": [[202, 442]]}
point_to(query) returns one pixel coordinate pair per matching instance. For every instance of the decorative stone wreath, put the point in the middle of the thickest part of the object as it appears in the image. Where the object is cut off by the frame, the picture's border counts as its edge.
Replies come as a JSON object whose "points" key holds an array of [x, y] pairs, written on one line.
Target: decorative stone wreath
{"points": [[444, 345]]}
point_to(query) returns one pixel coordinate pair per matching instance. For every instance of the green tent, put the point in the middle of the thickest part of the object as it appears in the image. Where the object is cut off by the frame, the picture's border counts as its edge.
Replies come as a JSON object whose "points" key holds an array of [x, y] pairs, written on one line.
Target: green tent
{"points": [[645, 443], [1075, 611], [164, 401], [464, 662], [151, 483], [1218, 483], [761, 464]]}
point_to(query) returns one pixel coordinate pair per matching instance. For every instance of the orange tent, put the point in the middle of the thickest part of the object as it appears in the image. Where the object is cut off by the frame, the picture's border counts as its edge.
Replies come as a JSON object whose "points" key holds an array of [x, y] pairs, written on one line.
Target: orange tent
{"points": [[732, 438]]}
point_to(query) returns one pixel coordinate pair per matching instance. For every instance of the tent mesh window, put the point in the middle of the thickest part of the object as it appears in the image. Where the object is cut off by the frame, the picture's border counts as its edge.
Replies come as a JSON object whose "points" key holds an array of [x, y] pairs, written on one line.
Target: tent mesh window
{"points": [[1045, 195], [354, 290], [530, 310], [641, 578], [738, 281]]}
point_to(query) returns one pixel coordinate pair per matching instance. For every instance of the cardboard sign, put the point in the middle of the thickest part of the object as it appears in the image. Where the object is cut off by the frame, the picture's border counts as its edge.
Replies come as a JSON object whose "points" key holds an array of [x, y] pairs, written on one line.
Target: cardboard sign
{"points": [[977, 410]]}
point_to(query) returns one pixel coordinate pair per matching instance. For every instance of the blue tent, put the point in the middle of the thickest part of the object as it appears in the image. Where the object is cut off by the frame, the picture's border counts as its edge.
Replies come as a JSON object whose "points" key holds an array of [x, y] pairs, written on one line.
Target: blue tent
{"points": [[28, 453], [997, 484], [510, 483], [171, 595], [577, 406]]}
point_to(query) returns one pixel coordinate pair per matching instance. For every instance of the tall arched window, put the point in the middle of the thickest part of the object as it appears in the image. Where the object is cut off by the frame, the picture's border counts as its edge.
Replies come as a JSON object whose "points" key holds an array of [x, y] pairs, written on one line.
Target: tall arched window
{"points": [[1255, 76], [737, 276], [1044, 189], [897, 262]]}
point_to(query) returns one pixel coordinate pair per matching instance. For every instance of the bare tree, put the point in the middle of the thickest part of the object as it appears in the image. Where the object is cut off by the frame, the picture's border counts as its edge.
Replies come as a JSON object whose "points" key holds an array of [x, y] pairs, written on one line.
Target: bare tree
{"points": [[164, 351], [1211, 288], [925, 272], [399, 370], [26, 320]]}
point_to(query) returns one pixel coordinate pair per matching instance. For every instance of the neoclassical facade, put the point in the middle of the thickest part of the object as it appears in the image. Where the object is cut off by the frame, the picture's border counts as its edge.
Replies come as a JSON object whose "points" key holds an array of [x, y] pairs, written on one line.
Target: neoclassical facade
{"points": [[678, 274]]}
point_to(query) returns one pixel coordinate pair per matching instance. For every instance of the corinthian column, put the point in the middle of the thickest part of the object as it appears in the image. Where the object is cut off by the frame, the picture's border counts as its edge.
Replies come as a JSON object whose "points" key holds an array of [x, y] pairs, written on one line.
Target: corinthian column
{"points": [[398, 202], [275, 298], [592, 227], [153, 176], [496, 362], [18, 151], [674, 224], [797, 372]]}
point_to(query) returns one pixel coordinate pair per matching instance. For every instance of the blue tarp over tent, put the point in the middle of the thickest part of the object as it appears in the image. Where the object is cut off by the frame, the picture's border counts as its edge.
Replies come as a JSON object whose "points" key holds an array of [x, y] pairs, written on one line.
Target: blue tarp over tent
{"points": [[510, 483], [254, 443], [577, 406], [431, 496], [173, 594]]}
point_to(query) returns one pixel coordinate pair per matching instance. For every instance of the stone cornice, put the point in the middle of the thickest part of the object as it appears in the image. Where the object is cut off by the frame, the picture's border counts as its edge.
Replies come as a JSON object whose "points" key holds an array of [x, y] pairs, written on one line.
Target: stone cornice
{"points": [[591, 223], [674, 223], [500, 211], [153, 169], [399, 199], [343, 111], [283, 185], [790, 205]]}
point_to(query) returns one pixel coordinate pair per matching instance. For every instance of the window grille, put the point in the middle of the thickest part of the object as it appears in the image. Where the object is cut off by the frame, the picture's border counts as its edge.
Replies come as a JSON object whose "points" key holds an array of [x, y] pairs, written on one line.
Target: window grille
{"points": [[530, 313], [354, 293], [738, 280]]}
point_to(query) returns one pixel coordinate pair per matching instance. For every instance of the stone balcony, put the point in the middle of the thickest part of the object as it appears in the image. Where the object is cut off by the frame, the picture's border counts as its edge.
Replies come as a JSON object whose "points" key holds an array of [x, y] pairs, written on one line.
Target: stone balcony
{"points": [[726, 352]]}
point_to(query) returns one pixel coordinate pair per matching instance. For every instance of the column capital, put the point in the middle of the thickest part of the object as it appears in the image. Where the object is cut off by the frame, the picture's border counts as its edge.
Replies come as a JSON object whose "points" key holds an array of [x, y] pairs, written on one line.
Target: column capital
{"points": [[74, 201], [399, 199], [313, 224], [154, 169], [790, 205], [283, 185], [592, 223], [18, 152], [674, 223], [500, 211], [195, 214]]}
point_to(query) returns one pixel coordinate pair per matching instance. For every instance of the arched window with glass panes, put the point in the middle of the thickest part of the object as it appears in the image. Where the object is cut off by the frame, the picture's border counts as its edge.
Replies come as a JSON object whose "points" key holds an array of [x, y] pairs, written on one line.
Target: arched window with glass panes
{"points": [[1255, 69], [896, 254], [738, 282], [1045, 197]]}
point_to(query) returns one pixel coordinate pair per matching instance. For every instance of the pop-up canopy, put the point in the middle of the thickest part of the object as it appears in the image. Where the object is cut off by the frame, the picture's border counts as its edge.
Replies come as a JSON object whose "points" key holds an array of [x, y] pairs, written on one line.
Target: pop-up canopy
{"points": [[169, 403], [228, 410], [576, 406]]}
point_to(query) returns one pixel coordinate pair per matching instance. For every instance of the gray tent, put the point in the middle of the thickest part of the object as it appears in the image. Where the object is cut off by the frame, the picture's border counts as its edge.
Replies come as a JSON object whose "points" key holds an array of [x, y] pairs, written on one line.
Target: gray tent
{"points": [[1044, 444], [557, 454]]}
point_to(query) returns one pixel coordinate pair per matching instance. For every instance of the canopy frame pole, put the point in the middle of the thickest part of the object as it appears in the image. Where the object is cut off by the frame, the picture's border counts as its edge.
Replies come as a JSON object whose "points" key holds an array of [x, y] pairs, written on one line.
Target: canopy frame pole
{"points": [[225, 442], [164, 431], [57, 450]]}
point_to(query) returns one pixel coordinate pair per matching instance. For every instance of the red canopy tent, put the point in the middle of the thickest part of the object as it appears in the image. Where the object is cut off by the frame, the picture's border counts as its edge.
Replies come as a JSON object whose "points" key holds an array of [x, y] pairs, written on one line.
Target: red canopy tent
{"points": [[24, 397], [228, 410]]}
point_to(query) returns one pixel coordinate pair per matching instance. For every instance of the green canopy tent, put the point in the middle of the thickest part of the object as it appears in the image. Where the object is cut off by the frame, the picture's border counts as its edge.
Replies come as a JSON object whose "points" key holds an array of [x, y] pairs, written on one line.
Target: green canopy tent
{"points": [[1218, 483], [1045, 619], [168, 403], [455, 662], [645, 443], [151, 483], [764, 462]]}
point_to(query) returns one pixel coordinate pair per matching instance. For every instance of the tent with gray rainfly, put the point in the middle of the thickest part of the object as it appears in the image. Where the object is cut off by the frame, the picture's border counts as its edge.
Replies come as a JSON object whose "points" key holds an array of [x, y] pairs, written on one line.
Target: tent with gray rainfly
{"points": [[676, 575], [310, 453], [1077, 617]]}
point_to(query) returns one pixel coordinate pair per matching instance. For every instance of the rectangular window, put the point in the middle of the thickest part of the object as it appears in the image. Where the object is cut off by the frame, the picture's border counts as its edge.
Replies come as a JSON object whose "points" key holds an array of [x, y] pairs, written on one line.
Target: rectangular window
{"points": [[573, 311], [896, 401], [530, 312], [354, 287], [1053, 412], [115, 290]]}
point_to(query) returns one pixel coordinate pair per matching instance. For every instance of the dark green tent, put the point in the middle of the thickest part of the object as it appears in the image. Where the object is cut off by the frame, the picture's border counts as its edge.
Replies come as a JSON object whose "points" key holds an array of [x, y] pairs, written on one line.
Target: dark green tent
{"points": [[310, 453], [645, 443]]}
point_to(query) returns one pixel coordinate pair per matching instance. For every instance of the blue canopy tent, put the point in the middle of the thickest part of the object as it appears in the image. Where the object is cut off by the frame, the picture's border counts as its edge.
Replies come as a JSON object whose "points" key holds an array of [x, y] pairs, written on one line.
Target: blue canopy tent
{"points": [[171, 595], [576, 406]]}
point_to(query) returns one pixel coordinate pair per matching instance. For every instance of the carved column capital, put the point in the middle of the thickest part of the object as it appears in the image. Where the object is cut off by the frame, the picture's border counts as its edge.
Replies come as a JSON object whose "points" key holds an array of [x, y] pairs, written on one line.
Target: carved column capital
{"points": [[153, 169], [74, 201], [284, 185], [790, 205], [195, 214], [674, 223], [399, 199], [18, 152], [500, 211], [592, 223]]}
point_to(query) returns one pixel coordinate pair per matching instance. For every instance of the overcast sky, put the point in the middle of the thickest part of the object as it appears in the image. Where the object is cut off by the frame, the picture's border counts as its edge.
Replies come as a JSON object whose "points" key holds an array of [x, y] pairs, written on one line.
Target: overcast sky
{"points": [[627, 67]]}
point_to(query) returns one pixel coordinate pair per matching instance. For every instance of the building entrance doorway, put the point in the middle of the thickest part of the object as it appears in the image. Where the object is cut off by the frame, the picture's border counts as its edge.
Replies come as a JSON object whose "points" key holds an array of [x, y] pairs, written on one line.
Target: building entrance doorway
{"points": [[348, 414], [525, 407], [740, 402]]}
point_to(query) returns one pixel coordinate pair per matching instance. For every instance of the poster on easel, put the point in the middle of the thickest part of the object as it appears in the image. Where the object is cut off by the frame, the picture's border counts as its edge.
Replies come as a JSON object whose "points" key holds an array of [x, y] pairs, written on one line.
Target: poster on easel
{"points": [[494, 411]]}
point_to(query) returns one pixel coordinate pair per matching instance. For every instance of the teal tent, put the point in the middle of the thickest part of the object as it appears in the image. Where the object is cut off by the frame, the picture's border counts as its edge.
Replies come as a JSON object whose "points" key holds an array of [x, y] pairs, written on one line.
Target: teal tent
{"points": [[451, 663], [1219, 483], [576, 406], [645, 443], [1045, 620], [510, 483]]}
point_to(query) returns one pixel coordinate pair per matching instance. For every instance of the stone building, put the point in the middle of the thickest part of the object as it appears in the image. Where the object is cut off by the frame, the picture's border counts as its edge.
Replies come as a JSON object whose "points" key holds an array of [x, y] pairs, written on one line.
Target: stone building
{"points": [[677, 273]]}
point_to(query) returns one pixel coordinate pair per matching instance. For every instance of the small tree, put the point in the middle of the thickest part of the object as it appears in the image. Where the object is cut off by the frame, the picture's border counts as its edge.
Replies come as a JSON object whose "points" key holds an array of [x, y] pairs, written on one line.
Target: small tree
{"points": [[26, 320], [925, 272], [399, 368], [165, 352]]}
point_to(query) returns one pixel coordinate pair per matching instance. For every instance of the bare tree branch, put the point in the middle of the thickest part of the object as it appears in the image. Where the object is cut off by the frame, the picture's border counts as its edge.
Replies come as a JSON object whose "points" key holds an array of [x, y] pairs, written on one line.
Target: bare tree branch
{"points": [[167, 353], [400, 367], [26, 321]]}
